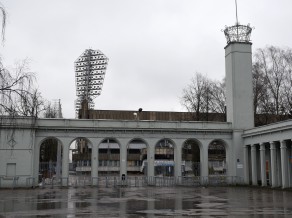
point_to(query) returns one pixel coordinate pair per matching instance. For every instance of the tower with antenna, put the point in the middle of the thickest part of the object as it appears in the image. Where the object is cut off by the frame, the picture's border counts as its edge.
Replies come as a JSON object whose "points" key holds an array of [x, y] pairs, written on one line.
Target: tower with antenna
{"points": [[90, 69], [239, 90], [238, 65]]}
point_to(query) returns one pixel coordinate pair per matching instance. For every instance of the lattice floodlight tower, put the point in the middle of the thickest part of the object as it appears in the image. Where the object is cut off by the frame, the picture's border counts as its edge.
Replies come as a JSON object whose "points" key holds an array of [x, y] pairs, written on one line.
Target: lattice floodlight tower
{"points": [[90, 69]]}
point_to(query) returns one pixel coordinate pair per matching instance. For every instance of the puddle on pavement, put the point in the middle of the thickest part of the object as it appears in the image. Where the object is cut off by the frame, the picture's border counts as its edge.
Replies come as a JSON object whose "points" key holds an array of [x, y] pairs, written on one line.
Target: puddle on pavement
{"points": [[146, 202]]}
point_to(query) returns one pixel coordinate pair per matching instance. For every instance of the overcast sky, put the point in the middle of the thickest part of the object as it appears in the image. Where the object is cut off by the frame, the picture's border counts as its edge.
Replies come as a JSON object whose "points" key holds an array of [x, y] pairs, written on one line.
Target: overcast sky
{"points": [[154, 46]]}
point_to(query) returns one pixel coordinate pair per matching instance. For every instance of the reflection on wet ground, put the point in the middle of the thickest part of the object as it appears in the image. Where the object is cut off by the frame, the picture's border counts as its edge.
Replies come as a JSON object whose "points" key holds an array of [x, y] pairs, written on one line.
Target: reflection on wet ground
{"points": [[146, 202]]}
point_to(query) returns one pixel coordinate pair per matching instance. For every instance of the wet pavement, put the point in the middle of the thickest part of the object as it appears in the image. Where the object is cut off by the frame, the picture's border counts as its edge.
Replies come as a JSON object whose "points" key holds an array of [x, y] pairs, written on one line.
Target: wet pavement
{"points": [[146, 202]]}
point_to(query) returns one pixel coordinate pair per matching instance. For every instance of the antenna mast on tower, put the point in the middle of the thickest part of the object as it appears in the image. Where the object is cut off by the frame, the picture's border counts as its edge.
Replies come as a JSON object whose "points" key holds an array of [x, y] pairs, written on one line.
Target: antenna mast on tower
{"points": [[236, 12], [237, 33]]}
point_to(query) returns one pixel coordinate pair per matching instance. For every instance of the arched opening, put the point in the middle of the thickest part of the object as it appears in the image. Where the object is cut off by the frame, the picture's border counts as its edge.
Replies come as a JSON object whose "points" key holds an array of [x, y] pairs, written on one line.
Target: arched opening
{"points": [[217, 158], [191, 158], [80, 161], [137, 158], [164, 158], [109, 158], [50, 161]]}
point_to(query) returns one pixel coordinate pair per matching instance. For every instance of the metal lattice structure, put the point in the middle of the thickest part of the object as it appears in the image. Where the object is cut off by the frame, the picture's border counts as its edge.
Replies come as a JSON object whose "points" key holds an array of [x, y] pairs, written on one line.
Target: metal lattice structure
{"points": [[90, 69], [238, 33]]}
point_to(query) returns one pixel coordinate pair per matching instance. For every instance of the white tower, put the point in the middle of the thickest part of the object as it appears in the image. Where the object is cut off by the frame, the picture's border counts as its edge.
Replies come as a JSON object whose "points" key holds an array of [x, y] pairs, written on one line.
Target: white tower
{"points": [[239, 91], [238, 64]]}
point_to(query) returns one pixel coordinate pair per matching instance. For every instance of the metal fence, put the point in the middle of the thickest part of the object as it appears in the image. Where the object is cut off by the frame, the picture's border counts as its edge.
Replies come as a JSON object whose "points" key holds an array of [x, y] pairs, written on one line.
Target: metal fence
{"points": [[9, 181], [142, 181], [129, 181]]}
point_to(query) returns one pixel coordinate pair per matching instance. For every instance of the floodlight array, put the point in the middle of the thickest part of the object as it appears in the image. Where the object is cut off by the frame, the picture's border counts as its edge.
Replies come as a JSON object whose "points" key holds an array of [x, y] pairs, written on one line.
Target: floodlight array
{"points": [[90, 69]]}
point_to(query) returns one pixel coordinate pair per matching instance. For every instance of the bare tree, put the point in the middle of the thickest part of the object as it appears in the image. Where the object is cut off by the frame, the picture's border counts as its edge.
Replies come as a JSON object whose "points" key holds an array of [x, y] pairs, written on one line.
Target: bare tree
{"points": [[218, 97], [31, 104], [17, 93], [288, 82], [272, 80], [50, 111], [192, 97], [272, 66], [259, 89], [3, 12], [205, 96], [272, 88]]}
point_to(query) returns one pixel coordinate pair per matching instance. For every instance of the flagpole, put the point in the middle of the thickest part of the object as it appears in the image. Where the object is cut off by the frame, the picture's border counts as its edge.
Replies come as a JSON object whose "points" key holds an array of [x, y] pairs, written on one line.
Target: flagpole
{"points": [[237, 24], [236, 11]]}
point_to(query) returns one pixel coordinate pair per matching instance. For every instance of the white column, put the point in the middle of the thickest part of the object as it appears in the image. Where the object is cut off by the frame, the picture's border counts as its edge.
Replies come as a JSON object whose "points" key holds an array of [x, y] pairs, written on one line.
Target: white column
{"points": [[94, 164], [36, 160], [278, 166], [123, 157], [65, 164], [263, 164], [273, 164], [289, 167], [254, 165], [59, 161], [177, 158], [204, 162], [246, 164], [284, 164], [150, 160]]}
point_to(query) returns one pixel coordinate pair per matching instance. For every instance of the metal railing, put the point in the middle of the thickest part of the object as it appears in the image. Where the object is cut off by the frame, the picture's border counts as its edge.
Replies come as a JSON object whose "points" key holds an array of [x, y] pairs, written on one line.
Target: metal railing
{"points": [[13, 179], [141, 181], [126, 181], [30, 182]]}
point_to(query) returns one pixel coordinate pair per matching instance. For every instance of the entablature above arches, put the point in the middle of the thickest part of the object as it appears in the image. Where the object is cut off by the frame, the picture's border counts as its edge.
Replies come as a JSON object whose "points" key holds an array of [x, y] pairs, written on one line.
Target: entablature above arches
{"points": [[267, 138]]}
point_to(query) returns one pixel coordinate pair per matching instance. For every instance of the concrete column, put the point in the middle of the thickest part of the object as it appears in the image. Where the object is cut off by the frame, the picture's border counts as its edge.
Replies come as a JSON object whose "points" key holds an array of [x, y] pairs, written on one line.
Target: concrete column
{"points": [[289, 158], [263, 164], [177, 159], [246, 164], [150, 160], [284, 164], [278, 166], [36, 160], [254, 165], [273, 164], [204, 162], [94, 164], [123, 157], [65, 164], [59, 161]]}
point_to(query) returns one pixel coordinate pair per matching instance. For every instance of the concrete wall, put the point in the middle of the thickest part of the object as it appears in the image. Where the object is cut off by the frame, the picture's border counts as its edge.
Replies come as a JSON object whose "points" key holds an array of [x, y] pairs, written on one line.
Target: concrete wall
{"points": [[16, 151], [29, 135]]}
